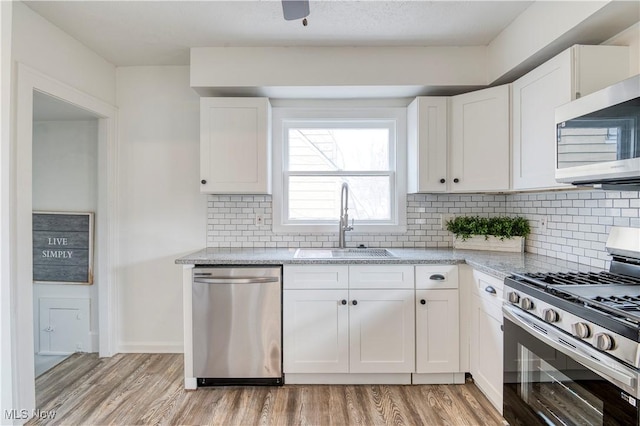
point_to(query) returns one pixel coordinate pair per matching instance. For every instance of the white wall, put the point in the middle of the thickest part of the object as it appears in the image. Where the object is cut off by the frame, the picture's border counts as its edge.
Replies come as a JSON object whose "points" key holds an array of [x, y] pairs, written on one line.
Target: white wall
{"points": [[6, 367], [162, 213], [45, 47], [65, 162], [629, 37]]}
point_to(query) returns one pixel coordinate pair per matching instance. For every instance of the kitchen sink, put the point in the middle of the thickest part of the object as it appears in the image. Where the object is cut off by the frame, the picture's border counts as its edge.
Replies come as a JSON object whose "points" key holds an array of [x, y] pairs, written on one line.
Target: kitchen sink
{"points": [[345, 253]]}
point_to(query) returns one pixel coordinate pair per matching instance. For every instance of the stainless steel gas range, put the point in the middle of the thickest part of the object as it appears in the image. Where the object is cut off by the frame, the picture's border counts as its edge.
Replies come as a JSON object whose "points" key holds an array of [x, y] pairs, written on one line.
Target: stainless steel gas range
{"points": [[572, 342]]}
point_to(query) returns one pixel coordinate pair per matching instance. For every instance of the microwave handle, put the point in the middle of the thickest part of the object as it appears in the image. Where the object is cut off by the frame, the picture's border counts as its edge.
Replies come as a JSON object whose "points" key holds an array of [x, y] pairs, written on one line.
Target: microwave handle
{"points": [[577, 350]]}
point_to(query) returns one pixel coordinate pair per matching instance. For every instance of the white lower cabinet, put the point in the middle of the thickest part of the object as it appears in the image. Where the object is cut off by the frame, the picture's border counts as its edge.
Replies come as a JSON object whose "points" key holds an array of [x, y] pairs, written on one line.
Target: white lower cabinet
{"points": [[371, 324], [316, 331], [359, 331], [382, 331], [486, 346], [437, 325], [437, 331]]}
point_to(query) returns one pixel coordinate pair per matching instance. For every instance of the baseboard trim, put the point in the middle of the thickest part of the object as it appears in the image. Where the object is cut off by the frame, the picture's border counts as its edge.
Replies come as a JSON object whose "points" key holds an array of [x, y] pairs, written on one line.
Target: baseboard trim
{"points": [[438, 378], [151, 348], [94, 340], [348, 379]]}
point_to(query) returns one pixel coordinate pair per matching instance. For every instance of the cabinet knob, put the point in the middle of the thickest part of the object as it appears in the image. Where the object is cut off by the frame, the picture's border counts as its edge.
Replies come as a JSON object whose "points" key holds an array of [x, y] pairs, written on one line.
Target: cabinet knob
{"points": [[354, 302], [456, 180], [343, 302], [423, 302], [203, 181], [442, 180]]}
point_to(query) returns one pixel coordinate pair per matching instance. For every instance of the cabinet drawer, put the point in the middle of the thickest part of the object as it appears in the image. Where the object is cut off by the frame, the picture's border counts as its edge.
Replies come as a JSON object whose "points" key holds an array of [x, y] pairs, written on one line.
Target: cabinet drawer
{"points": [[315, 277], [381, 276], [487, 287], [437, 277]]}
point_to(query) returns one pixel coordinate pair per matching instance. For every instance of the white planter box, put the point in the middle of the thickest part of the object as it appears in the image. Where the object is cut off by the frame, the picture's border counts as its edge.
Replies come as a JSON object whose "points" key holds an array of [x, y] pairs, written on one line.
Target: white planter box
{"points": [[478, 242]]}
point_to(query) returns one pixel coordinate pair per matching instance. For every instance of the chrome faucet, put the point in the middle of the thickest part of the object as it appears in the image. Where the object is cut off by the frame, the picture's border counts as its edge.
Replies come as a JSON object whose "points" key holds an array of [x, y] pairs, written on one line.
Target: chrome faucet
{"points": [[344, 215]]}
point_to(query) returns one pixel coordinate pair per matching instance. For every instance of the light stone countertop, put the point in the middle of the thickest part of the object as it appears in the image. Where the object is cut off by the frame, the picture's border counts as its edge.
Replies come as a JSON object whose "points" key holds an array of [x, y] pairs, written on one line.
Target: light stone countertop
{"points": [[497, 264]]}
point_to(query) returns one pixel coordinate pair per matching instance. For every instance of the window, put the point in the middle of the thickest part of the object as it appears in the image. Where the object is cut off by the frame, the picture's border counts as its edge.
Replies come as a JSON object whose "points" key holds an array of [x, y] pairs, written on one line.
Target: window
{"points": [[317, 150]]}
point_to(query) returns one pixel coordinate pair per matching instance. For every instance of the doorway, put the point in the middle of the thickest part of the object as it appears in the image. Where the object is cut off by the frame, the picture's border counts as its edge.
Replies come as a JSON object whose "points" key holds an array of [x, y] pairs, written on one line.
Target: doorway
{"points": [[64, 179], [30, 81]]}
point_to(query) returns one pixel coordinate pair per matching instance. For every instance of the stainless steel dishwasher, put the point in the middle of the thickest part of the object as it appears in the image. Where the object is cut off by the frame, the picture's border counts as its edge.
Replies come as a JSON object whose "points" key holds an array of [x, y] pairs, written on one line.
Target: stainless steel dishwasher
{"points": [[237, 325]]}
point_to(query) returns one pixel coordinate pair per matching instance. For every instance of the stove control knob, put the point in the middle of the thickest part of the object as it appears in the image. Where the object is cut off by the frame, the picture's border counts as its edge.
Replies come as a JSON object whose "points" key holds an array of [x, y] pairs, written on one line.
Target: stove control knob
{"points": [[514, 297], [581, 330], [526, 304], [604, 342], [550, 315]]}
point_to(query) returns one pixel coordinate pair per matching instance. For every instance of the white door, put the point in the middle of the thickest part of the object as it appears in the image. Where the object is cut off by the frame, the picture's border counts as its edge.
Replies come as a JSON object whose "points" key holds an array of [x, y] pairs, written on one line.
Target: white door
{"points": [[427, 144], [316, 331], [486, 355], [382, 326], [63, 326], [480, 140], [235, 145], [437, 331], [535, 98]]}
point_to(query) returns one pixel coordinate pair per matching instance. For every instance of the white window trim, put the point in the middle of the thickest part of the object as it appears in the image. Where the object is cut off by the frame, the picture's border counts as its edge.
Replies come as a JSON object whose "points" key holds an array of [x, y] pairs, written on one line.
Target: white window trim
{"points": [[340, 112]]}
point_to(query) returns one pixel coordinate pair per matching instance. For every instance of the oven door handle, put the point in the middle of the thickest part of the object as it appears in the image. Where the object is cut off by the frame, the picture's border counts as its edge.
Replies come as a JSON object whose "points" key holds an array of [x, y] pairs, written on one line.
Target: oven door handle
{"points": [[576, 350]]}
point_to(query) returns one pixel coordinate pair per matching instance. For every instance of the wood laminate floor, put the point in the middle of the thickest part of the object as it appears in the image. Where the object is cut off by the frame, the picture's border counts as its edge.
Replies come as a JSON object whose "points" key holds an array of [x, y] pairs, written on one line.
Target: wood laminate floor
{"points": [[130, 389]]}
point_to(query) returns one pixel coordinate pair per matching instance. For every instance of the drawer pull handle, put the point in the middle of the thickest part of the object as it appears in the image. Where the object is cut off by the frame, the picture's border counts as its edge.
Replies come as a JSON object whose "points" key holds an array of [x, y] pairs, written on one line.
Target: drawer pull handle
{"points": [[490, 289], [437, 277]]}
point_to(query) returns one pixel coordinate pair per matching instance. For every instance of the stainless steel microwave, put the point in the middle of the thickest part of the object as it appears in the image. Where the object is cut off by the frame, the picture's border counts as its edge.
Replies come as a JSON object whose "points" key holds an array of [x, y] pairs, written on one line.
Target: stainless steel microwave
{"points": [[598, 137]]}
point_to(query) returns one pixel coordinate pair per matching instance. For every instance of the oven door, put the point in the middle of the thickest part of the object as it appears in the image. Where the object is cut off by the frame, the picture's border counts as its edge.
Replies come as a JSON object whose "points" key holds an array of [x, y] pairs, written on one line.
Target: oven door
{"points": [[551, 378]]}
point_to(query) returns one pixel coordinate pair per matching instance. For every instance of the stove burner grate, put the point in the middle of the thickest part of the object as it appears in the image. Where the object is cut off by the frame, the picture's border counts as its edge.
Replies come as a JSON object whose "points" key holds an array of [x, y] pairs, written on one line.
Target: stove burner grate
{"points": [[614, 294], [580, 278]]}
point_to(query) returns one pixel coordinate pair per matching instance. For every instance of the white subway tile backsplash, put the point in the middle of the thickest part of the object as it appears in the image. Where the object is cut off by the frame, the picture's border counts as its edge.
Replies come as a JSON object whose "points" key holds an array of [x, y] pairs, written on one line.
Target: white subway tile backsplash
{"points": [[578, 221]]}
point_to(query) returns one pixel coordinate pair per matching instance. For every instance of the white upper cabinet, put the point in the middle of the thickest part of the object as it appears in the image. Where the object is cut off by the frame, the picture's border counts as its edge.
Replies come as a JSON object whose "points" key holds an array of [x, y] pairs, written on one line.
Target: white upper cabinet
{"points": [[427, 144], [479, 141], [235, 145], [459, 143], [575, 72]]}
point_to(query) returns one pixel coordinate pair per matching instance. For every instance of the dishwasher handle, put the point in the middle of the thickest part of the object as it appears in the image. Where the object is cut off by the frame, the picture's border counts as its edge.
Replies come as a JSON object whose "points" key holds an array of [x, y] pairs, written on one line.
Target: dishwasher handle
{"points": [[238, 280]]}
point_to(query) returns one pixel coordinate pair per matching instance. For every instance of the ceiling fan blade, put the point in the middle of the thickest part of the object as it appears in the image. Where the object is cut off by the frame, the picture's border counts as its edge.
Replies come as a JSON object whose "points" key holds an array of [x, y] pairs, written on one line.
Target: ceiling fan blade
{"points": [[295, 9]]}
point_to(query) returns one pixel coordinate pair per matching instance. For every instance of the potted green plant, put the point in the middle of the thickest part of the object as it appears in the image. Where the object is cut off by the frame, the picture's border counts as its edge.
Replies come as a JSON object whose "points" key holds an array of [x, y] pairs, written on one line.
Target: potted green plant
{"points": [[499, 233]]}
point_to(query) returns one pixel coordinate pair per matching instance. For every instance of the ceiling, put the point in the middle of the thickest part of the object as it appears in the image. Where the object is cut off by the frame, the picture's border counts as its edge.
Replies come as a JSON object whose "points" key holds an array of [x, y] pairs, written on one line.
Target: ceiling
{"points": [[128, 33]]}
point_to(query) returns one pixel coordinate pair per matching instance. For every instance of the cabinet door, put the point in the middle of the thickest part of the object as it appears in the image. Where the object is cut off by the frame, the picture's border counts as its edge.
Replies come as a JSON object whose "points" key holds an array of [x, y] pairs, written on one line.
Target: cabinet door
{"points": [[535, 97], [316, 331], [382, 331], [486, 348], [235, 145], [479, 153], [437, 331], [427, 144]]}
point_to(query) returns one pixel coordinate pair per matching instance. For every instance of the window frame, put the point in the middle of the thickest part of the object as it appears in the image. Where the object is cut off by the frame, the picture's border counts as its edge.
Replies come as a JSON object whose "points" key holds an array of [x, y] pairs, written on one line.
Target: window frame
{"points": [[285, 117]]}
